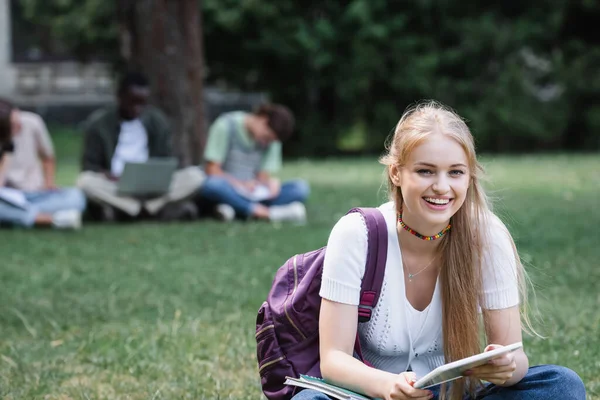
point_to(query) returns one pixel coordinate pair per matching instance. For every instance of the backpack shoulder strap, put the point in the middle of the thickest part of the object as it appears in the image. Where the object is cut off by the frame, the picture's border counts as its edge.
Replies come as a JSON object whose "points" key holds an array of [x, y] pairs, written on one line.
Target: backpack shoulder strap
{"points": [[376, 260], [375, 268]]}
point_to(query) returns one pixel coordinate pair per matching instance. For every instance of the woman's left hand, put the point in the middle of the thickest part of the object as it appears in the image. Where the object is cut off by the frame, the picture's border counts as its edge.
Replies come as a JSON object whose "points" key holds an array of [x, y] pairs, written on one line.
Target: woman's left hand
{"points": [[496, 371]]}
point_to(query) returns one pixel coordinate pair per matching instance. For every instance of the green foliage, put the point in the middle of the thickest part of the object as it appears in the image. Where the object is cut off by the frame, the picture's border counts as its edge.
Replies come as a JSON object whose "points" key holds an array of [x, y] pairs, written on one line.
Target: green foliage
{"points": [[524, 73], [87, 27], [167, 311], [514, 70]]}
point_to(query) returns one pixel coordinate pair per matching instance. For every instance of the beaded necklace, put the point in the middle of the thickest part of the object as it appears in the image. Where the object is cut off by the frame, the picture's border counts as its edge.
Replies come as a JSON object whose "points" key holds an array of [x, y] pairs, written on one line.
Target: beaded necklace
{"points": [[417, 234]]}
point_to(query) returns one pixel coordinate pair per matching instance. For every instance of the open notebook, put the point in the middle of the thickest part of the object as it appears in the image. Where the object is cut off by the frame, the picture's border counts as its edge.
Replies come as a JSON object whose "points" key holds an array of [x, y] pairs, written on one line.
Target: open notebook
{"points": [[14, 197], [445, 373], [309, 382]]}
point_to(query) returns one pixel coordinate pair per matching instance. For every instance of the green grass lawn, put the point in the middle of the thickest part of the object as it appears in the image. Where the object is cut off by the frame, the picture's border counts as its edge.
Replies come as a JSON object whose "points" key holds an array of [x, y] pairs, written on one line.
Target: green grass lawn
{"points": [[149, 311]]}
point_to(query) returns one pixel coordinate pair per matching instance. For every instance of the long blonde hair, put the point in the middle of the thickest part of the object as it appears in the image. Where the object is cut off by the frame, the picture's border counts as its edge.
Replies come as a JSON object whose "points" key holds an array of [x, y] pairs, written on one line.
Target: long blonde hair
{"points": [[462, 249]]}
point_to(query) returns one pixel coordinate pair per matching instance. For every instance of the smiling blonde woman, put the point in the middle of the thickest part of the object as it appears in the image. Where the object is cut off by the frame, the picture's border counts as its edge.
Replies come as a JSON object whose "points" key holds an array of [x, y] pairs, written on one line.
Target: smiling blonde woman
{"points": [[450, 261]]}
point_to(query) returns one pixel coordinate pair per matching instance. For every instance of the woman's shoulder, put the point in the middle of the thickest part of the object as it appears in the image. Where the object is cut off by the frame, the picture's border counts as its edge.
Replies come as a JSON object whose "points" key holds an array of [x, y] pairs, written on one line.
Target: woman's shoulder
{"points": [[345, 259], [349, 225], [495, 228], [388, 209], [353, 222], [498, 244]]}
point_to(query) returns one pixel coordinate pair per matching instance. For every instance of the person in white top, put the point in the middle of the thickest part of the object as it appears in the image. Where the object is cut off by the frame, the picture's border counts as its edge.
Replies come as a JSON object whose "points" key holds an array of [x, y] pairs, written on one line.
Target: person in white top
{"points": [[450, 261], [132, 131], [28, 193]]}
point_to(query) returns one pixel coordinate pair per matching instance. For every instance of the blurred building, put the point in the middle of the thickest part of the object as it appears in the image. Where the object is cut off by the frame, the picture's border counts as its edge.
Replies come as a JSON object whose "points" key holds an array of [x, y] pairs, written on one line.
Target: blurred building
{"points": [[53, 84], [37, 74]]}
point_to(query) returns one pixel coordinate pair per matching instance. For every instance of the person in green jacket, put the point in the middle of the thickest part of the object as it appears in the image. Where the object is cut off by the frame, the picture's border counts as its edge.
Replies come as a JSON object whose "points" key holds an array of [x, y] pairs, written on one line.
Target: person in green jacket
{"points": [[132, 131], [242, 153]]}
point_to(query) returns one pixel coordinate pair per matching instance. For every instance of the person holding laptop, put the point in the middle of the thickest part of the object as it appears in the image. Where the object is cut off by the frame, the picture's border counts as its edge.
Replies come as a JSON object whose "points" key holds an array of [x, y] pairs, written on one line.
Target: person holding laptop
{"points": [[124, 141], [28, 192], [242, 152]]}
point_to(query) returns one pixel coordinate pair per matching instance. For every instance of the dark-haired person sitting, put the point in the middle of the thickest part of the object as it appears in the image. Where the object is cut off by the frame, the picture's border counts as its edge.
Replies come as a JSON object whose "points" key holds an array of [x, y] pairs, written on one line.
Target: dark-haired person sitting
{"points": [[133, 132], [242, 152], [28, 193]]}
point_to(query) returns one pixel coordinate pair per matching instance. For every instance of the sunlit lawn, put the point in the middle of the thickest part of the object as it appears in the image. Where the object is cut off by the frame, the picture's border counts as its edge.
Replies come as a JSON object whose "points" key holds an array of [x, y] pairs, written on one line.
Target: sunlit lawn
{"points": [[149, 311]]}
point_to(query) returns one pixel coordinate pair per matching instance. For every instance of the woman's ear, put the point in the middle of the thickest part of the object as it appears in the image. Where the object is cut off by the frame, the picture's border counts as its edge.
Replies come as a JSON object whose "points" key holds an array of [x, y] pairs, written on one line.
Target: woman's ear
{"points": [[395, 173]]}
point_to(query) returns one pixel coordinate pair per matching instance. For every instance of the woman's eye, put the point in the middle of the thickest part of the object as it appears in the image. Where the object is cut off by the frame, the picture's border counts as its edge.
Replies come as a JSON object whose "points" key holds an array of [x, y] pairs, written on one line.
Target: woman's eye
{"points": [[424, 172], [457, 172]]}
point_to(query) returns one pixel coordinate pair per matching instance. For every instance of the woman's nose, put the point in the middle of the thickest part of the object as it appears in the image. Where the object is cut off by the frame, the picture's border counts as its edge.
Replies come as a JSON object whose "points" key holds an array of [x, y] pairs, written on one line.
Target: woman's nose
{"points": [[441, 185]]}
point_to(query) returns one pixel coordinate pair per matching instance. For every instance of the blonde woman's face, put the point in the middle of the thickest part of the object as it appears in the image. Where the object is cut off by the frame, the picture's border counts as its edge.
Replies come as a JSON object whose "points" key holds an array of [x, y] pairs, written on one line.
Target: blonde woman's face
{"points": [[434, 182]]}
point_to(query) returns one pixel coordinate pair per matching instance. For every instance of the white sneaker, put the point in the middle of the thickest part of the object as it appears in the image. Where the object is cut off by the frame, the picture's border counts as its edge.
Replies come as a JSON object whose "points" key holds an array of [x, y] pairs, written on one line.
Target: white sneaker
{"points": [[293, 212], [67, 219], [225, 212]]}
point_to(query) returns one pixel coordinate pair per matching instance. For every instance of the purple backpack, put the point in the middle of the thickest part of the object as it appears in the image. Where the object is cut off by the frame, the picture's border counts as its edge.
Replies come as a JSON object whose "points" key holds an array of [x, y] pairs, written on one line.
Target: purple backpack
{"points": [[287, 325]]}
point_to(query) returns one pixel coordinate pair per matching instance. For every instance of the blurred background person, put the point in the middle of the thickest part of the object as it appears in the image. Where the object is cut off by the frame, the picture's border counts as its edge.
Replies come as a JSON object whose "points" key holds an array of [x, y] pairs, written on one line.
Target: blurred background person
{"points": [[132, 131], [242, 152], [28, 192]]}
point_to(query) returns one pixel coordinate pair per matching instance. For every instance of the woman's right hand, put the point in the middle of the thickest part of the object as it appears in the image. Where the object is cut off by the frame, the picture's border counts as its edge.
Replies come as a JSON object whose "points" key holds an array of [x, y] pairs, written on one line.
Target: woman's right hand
{"points": [[401, 388]]}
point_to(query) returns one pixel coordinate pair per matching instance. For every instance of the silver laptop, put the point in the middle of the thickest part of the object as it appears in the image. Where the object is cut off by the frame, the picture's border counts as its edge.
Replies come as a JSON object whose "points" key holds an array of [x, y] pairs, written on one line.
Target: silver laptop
{"points": [[151, 178]]}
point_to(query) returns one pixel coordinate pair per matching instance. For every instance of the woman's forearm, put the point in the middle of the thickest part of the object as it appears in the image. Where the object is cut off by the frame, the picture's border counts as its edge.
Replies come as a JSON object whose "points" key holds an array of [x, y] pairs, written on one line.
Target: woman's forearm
{"points": [[346, 371]]}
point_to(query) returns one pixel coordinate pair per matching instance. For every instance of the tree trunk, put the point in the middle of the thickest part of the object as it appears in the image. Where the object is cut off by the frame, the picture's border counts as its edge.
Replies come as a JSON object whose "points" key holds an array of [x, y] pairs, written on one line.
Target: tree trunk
{"points": [[163, 39]]}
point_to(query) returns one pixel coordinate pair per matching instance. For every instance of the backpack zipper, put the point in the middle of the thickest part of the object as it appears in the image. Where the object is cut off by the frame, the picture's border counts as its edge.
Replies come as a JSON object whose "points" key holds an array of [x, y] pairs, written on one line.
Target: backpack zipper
{"points": [[266, 328], [292, 295], [265, 365]]}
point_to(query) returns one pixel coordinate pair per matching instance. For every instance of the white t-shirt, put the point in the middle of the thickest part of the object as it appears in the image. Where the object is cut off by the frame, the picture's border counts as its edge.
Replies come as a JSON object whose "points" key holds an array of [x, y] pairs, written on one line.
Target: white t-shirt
{"points": [[131, 147], [398, 336]]}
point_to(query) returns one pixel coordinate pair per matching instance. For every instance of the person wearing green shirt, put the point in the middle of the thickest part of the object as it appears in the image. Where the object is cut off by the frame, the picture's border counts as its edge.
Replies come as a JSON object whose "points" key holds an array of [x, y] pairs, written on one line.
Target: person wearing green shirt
{"points": [[242, 153]]}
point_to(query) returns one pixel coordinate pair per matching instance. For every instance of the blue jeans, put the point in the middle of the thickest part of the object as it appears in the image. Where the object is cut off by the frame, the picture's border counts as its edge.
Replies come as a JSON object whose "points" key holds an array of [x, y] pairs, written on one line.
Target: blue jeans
{"points": [[218, 190], [42, 202], [543, 382]]}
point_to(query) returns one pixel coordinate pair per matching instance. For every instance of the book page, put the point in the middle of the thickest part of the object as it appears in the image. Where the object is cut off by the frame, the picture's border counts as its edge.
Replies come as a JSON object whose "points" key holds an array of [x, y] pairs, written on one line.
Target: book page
{"points": [[260, 193], [309, 382], [14, 197]]}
